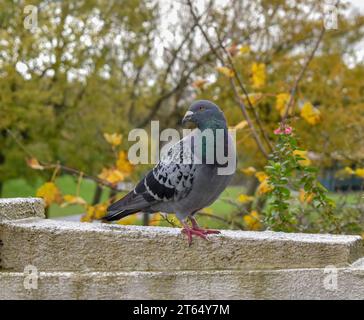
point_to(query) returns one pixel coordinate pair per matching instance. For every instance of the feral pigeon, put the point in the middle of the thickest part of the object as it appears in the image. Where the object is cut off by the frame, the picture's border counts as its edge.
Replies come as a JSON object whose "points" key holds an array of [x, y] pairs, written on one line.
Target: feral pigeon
{"points": [[185, 180]]}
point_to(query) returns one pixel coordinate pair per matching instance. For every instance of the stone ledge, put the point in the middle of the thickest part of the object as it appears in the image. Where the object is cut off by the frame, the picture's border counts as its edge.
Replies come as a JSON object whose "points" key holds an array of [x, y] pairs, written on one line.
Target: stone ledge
{"points": [[71, 246], [257, 284], [20, 208]]}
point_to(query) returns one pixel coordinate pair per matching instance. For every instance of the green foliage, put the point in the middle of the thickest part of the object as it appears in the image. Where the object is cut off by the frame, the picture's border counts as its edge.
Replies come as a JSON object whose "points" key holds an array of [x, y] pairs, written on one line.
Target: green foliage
{"points": [[64, 85], [288, 170]]}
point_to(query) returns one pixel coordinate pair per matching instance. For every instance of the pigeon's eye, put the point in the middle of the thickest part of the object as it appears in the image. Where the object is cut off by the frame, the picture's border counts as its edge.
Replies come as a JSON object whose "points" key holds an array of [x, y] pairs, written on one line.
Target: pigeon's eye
{"points": [[201, 108]]}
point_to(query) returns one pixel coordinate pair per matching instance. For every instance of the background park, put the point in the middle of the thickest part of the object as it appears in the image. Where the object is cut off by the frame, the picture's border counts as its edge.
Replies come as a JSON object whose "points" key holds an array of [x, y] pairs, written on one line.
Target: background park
{"points": [[76, 77]]}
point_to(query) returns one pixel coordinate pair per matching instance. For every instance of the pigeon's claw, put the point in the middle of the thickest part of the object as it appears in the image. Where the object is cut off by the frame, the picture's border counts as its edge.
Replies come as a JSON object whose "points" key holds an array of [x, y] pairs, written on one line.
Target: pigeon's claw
{"points": [[207, 231], [190, 232], [196, 230], [196, 227]]}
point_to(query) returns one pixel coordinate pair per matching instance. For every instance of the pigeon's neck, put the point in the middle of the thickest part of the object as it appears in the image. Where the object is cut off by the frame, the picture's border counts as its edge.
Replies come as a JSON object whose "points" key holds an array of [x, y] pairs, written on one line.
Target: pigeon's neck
{"points": [[209, 147], [213, 124]]}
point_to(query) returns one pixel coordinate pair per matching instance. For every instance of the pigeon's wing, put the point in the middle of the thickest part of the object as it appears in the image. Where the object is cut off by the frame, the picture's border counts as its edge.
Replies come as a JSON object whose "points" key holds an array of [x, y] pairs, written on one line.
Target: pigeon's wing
{"points": [[170, 180]]}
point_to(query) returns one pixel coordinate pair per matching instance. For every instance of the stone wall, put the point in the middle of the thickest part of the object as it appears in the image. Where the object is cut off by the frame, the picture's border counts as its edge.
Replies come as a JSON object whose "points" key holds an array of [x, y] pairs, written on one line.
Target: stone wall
{"points": [[46, 259]]}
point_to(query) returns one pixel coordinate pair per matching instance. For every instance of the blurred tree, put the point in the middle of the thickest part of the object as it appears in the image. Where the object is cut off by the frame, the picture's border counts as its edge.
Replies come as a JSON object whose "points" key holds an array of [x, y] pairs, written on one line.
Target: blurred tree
{"points": [[268, 42], [89, 67]]}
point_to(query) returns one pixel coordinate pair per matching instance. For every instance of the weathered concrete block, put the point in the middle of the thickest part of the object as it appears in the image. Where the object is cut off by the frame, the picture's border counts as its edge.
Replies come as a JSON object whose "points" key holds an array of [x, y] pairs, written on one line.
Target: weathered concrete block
{"points": [[70, 246], [20, 208], [255, 284]]}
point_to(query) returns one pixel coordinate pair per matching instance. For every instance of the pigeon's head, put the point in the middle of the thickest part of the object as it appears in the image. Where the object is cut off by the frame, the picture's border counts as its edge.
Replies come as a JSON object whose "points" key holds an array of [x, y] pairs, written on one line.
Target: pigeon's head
{"points": [[204, 114]]}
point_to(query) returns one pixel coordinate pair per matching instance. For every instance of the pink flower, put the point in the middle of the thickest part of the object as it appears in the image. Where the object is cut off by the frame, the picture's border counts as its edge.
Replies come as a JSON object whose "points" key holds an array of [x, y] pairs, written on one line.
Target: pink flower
{"points": [[285, 130], [277, 131]]}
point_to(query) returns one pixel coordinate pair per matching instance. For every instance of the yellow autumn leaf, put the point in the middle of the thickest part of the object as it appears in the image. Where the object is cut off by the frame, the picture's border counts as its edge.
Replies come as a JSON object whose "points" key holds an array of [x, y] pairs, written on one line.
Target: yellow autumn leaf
{"points": [[123, 163], [244, 198], [100, 210], [89, 215], [359, 172], [113, 176], [249, 171], [50, 193], [264, 187], [85, 218], [254, 98], [305, 197], [282, 100], [128, 220], [34, 164], [199, 83], [208, 210], [252, 221], [261, 176], [241, 125], [311, 114], [172, 218], [258, 75], [71, 199], [226, 71], [244, 49], [156, 219], [344, 173], [302, 154], [104, 174], [113, 138]]}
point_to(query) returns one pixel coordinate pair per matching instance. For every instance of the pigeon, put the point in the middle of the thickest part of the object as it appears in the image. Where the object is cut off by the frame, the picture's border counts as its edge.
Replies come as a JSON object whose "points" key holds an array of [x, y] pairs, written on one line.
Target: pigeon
{"points": [[185, 180]]}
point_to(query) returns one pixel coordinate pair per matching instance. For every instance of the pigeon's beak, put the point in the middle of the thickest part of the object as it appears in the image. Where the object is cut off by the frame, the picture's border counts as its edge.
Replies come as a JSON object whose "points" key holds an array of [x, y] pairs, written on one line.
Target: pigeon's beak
{"points": [[187, 117]]}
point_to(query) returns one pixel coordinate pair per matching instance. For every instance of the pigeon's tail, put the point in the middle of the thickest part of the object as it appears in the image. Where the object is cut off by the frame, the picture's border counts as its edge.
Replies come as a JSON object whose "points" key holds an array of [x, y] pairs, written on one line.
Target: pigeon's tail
{"points": [[131, 203]]}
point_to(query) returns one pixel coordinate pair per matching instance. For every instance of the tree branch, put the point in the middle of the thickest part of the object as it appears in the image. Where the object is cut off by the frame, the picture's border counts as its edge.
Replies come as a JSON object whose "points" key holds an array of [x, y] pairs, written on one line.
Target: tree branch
{"points": [[64, 168], [242, 87], [235, 91], [301, 74]]}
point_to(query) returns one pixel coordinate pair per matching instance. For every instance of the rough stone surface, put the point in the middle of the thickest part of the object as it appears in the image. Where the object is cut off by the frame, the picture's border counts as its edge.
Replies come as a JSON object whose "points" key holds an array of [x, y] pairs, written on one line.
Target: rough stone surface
{"points": [[258, 284], [69, 246], [20, 208], [156, 263]]}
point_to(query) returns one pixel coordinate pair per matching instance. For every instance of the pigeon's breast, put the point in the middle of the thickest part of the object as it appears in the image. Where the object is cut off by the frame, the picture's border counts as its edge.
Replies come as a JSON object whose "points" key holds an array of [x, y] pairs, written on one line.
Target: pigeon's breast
{"points": [[207, 187]]}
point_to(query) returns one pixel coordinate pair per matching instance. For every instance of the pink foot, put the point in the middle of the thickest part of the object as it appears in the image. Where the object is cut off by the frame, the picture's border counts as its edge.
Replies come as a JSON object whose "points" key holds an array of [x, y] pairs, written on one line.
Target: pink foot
{"points": [[190, 232], [199, 232], [195, 226], [206, 231]]}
